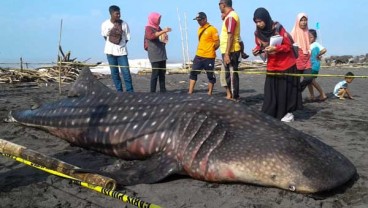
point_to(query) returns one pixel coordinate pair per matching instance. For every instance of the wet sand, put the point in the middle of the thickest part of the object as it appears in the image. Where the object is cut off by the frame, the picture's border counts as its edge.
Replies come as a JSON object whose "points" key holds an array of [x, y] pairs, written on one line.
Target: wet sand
{"points": [[340, 124]]}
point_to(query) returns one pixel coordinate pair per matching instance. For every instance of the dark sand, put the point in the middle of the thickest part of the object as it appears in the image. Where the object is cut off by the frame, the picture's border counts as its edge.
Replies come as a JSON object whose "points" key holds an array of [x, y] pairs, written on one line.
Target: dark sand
{"points": [[341, 124]]}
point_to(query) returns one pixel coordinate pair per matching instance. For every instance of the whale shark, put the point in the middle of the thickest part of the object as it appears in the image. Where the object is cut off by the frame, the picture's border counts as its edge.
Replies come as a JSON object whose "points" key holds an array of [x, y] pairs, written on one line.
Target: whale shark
{"points": [[205, 137]]}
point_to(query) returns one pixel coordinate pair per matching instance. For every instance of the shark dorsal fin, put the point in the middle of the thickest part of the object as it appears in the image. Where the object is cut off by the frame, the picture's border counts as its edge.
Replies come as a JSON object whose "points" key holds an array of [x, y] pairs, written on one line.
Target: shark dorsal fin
{"points": [[87, 84]]}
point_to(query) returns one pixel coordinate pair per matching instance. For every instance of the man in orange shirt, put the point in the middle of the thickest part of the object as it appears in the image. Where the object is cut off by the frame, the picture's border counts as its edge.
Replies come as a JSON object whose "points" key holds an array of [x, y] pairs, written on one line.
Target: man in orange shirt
{"points": [[206, 53]]}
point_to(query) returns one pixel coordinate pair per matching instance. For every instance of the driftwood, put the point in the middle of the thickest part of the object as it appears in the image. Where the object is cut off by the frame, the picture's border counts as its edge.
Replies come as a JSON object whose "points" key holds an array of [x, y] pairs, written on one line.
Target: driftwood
{"points": [[68, 74], [69, 70]]}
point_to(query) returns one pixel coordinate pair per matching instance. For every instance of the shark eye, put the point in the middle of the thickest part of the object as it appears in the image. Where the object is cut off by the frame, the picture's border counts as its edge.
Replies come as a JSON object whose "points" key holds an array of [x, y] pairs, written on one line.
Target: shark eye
{"points": [[292, 188]]}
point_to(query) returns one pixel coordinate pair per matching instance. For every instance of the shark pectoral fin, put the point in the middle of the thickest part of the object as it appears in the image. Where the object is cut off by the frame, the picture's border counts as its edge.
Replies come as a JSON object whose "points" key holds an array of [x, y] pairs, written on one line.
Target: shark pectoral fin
{"points": [[151, 170]]}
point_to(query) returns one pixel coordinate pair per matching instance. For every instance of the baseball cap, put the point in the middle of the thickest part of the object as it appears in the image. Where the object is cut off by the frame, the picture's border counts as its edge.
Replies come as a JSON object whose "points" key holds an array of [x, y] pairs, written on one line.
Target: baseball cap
{"points": [[200, 15]]}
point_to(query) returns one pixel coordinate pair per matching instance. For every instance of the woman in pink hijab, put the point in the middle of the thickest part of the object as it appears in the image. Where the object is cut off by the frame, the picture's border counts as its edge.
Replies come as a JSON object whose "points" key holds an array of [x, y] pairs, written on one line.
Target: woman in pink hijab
{"points": [[300, 35], [155, 40]]}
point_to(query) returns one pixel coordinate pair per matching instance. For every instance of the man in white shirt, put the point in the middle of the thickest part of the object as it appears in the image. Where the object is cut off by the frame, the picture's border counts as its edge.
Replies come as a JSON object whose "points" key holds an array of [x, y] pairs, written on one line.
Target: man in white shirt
{"points": [[116, 33]]}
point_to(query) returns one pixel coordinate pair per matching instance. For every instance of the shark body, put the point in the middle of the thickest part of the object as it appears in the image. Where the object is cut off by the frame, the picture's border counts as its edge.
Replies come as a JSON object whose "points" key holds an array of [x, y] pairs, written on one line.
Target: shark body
{"points": [[204, 137]]}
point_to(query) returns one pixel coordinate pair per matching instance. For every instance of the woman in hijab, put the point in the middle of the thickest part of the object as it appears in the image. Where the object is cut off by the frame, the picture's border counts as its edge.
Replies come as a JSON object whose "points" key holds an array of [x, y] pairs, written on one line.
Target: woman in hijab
{"points": [[155, 40], [282, 93], [300, 34]]}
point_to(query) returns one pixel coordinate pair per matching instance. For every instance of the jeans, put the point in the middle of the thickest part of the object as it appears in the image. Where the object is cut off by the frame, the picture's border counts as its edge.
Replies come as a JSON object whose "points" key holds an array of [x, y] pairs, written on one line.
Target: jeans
{"points": [[121, 62]]}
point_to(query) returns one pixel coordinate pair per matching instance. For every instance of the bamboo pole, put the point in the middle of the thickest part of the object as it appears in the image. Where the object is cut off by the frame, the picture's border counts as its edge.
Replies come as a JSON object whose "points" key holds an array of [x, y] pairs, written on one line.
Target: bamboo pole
{"points": [[10, 148], [186, 41], [182, 38], [58, 57], [21, 64]]}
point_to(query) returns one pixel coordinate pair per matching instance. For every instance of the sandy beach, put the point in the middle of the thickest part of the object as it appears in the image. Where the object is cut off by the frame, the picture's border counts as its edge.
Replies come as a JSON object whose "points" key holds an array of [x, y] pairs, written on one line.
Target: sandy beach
{"points": [[342, 124]]}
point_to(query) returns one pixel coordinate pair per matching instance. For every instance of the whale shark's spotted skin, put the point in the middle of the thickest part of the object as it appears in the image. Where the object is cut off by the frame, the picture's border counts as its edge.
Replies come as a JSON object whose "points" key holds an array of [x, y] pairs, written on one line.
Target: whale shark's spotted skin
{"points": [[205, 137]]}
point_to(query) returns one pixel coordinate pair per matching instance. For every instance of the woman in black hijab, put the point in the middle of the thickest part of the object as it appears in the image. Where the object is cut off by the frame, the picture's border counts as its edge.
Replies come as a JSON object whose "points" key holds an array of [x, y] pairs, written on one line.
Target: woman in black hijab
{"points": [[282, 93], [264, 31]]}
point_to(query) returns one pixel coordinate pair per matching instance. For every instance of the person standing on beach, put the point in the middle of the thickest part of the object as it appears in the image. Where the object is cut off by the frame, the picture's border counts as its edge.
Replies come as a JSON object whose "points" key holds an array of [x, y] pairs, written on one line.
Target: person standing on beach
{"points": [[230, 47], [116, 34], [155, 40], [317, 50], [282, 95], [206, 53], [300, 35]]}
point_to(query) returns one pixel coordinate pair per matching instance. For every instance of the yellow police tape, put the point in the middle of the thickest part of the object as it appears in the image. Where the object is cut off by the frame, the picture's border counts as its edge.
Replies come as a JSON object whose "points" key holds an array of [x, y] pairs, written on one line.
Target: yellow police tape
{"points": [[254, 72], [114, 194]]}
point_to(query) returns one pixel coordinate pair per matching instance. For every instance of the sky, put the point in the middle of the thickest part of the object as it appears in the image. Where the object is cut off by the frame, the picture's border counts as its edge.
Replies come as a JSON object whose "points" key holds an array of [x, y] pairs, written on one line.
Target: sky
{"points": [[31, 28]]}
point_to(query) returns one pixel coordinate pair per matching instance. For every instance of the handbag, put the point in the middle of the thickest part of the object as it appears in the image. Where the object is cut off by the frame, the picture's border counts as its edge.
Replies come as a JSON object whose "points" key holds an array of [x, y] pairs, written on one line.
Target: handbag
{"points": [[116, 33]]}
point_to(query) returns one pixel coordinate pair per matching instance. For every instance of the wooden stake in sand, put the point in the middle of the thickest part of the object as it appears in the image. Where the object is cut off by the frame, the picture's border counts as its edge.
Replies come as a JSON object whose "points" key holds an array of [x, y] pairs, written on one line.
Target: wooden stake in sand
{"points": [[10, 148]]}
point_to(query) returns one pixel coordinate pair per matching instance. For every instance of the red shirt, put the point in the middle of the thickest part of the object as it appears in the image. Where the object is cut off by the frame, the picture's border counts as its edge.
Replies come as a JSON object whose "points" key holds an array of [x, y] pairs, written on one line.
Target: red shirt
{"points": [[230, 23], [284, 57]]}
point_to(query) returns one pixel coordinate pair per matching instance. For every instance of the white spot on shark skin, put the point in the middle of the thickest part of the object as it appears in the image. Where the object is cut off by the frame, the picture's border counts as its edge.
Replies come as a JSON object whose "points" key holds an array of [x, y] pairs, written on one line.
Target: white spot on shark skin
{"points": [[101, 100], [132, 108], [120, 109], [116, 132], [101, 120], [153, 123], [107, 129], [114, 118], [73, 122], [157, 149], [144, 114], [125, 118], [162, 135], [88, 119], [81, 111], [135, 126]]}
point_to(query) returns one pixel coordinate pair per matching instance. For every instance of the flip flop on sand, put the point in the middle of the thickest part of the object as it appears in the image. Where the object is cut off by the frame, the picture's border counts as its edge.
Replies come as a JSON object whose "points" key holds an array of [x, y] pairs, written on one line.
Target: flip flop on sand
{"points": [[310, 100], [321, 99]]}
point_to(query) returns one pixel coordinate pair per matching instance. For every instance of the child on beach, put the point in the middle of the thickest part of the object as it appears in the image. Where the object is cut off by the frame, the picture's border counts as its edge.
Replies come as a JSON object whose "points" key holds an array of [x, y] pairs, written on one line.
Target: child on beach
{"points": [[317, 50], [341, 89]]}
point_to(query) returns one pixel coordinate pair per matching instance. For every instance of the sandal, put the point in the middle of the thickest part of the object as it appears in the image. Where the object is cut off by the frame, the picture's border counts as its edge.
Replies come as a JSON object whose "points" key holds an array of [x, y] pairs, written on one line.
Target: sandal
{"points": [[322, 99]]}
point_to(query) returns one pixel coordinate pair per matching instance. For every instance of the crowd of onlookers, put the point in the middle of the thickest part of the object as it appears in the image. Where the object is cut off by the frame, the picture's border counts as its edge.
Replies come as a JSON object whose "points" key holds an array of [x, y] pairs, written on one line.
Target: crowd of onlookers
{"points": [[293, 58]]}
